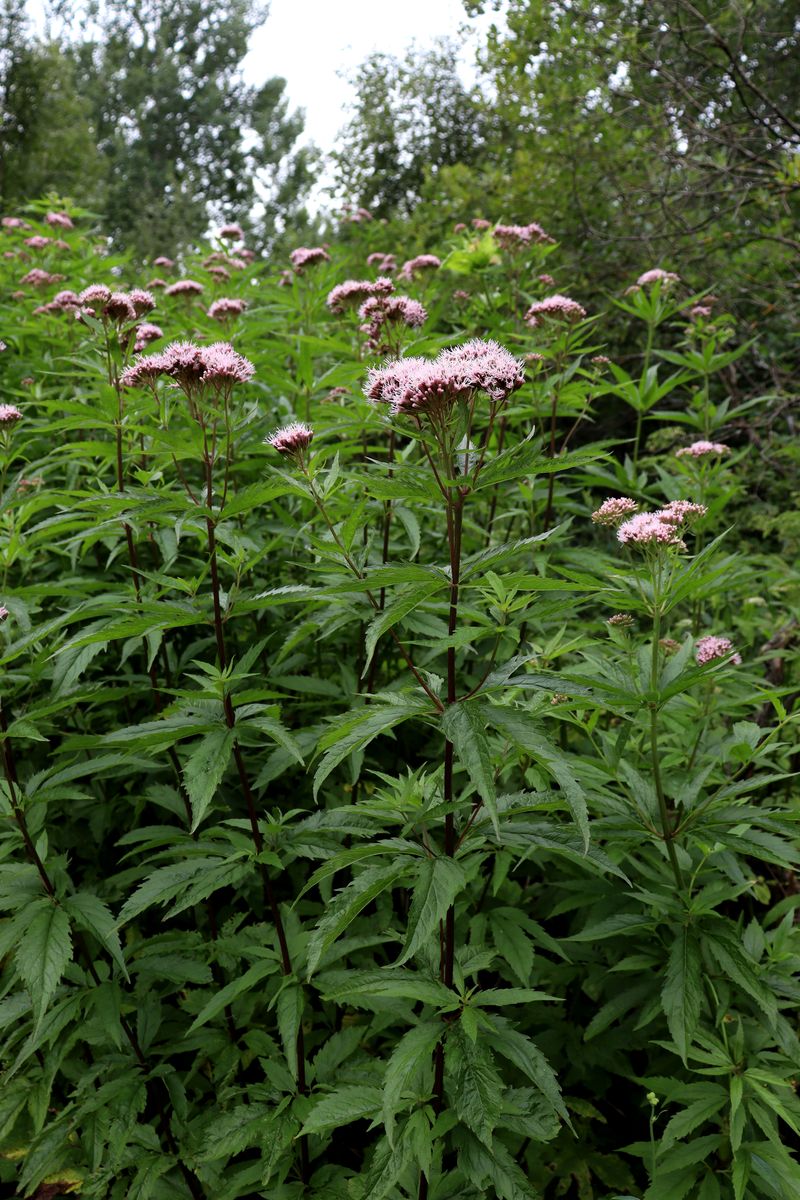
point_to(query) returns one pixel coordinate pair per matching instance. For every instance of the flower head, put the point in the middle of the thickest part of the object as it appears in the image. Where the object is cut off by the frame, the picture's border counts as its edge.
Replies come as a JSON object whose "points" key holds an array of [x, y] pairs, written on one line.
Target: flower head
{"points": [[386, 263], [621, 620], [656, 275], [701, 449], [96, 294], [14, 223], [486, 366], [710, 647], [3, 613], [222, 365], [292, 439], [37, 242], [647, 529], [480, 223], [66, 299], [59, 220], [39, 278], [459, 227], [162, 261], [9, 413], [157, 283], [547, 280], [556, 308], [184, 287], [614, 510], [308, 256], [232, 233], [119, 308], [356, 291], [417, 385], [219, 272], [142, 301], [700, 312], [422, 262], [144, 371], [678, 511], [225, 309], [519, 237], [146, 333]]}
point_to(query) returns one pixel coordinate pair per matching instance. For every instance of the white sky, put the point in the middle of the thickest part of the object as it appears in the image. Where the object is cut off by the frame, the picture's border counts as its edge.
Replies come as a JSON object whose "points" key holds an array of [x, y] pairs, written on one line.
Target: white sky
{"points": [[308, 42]]}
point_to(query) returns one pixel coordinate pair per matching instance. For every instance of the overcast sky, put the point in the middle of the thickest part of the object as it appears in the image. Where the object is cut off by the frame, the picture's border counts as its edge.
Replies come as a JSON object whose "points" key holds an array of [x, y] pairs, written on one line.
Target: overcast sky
{"points": [[309, 42]]}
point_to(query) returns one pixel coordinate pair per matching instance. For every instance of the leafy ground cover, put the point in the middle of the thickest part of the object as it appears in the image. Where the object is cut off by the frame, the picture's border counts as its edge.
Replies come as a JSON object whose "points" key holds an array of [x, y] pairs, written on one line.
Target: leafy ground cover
{"points": [[397, 702]]}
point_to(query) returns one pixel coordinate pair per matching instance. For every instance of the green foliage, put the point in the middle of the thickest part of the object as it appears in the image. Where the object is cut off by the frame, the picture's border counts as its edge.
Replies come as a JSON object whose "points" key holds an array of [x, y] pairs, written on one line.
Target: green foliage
{"points": [[348, 850]]}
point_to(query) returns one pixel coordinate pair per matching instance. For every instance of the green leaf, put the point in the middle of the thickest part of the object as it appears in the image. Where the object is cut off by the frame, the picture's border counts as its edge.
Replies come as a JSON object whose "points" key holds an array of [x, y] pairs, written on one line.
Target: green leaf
{"points": [[438, 882], [346, 906], [682, 993], [518, 727], [289, 1006], [411, 1056], [356, 730], [43, 954], [204, 769], [390, 983], [463, 726], [404, 604], [739, 968], [234, 989], [89, 912], [528, 1058], [477, 1089], [353, 1102]]}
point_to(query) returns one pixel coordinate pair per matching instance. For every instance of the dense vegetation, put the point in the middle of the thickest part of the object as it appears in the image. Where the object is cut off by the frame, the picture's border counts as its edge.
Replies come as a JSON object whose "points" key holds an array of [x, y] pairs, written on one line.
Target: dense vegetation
{"points": [[398, 616], [377, 821]]}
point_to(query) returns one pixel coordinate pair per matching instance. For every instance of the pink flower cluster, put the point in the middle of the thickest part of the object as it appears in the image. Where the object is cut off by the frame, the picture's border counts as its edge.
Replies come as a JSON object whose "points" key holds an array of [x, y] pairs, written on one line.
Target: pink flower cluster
{"points": [[232, 233], [165, 263], [356, 291], [519, 237], [419, 265], [39, 278], [308, 256], [379, 311], [556, 308], [226, 309], [9, 414], [702, 448], [480, 224], [657, 275], [37, 242], [191, 367], [660, 528], [14, 223], [219, 272], [614, 510], [710, 647], [146, 333], [386, 264], [116, 306], [184, 287], [66, 301], [292, 439], [432, 387], [59, 220]]}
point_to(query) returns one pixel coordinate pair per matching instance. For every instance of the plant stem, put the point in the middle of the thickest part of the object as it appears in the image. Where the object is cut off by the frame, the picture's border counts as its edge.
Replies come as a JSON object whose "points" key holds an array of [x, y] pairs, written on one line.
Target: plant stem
{"points": [[648, 351], [666, 823]]}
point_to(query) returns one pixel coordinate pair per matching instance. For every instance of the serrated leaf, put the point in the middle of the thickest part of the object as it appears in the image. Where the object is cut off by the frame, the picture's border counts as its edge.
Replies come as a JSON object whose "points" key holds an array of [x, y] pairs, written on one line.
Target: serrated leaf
{"points": [[438, 882], [91, 913], [346, 906], [204, 769], [528, 1058], [682, 993], [43, 954], [289, 1008], [353, 1102], [237, 987], [411, 1055], [463, 726], [400, 607], [476, 1087]]}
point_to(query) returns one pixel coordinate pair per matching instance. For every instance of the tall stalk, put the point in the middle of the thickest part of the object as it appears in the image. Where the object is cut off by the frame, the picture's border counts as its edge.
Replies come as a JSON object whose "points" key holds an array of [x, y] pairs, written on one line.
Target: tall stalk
{"points": [[653, 705]]}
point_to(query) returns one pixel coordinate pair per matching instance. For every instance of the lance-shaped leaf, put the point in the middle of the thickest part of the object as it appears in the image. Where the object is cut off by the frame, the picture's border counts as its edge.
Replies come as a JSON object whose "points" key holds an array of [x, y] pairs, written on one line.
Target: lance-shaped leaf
{"points": [[346, 906], [519, 728], [43, 953], [463, 726], [437, 884], [411, 1055], [682, 993], [204, 768], [409, 599]]}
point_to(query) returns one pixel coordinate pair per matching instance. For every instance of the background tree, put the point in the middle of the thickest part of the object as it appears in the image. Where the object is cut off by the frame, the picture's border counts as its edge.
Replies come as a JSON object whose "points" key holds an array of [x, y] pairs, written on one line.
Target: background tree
{"points": [[410, 118]]}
